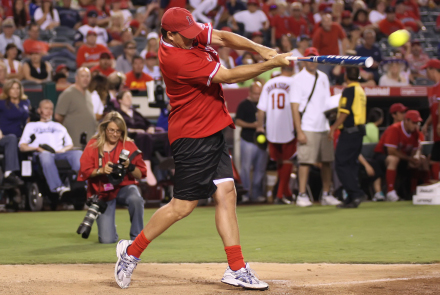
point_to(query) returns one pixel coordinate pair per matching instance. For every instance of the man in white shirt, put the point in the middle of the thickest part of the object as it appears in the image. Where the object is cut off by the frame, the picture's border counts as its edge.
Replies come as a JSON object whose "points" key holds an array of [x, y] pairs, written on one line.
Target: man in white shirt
{"points": [[151, 66], [8, 36], [253, 19], [51, 141], [302, 44], [274, 104], [102, 36], [309, 98]]}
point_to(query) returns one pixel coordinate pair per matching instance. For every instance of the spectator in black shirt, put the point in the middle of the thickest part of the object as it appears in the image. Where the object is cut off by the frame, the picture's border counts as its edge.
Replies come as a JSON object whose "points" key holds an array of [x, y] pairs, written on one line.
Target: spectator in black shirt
{"points": [[69, 17], [369, 48], [252, 157]]}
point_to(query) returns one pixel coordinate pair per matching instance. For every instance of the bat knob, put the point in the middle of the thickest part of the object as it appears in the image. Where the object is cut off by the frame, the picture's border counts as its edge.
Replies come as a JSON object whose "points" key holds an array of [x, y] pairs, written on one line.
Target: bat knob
{"points": [[369, 62]]}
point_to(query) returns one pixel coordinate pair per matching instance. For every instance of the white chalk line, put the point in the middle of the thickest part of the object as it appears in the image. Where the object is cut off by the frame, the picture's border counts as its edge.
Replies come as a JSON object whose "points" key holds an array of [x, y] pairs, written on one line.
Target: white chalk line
{"points": [[355, 282]]}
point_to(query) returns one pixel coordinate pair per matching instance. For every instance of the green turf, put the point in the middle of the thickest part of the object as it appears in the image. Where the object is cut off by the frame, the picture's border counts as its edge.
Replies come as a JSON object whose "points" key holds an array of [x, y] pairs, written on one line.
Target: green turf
{"points": [[373, 233]]}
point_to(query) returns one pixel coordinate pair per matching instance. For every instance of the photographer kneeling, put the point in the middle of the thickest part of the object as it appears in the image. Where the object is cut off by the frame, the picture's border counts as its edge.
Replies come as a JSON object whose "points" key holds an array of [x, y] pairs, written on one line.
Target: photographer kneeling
{"points": [[113, 182]]}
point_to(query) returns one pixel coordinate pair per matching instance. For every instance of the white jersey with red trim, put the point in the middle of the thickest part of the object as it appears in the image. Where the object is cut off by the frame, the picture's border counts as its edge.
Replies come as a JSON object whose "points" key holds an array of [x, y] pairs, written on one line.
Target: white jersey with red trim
{"points": [[275, 101]]}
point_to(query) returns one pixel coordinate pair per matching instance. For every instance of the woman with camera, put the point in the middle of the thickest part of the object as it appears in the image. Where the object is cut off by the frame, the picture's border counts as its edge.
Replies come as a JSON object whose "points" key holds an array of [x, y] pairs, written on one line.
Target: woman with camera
{"points": [[112, 164]]}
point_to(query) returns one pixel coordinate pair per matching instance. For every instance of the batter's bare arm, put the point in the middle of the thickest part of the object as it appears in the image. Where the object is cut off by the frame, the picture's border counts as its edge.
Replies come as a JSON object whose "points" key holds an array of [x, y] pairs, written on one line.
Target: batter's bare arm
{"points": [[234, 41], [246, 72], [260, 120]]}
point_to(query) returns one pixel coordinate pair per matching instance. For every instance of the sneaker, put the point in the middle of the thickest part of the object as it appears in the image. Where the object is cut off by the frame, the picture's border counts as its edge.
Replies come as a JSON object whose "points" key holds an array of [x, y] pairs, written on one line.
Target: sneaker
{"points": [[303, 201], [126, 264], [282, 201], [244, 199], [62, 189], [244, 277], [329, 200], [392, 196], [258, 200], [378, 197]]}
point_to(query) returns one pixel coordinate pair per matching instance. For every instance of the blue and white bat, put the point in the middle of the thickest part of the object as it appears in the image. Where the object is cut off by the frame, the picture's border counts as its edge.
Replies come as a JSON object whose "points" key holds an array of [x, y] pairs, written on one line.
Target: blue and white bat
{"points": [[343, 60]]}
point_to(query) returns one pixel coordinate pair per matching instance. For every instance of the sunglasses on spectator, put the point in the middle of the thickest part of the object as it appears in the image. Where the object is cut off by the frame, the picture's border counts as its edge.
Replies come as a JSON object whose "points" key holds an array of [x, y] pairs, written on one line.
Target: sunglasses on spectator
{"points": [[113, 131]]}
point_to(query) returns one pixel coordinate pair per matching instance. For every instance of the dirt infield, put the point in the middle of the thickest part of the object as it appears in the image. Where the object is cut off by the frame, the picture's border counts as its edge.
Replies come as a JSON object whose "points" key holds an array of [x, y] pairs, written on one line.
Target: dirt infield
{"points": [[205, 279]]}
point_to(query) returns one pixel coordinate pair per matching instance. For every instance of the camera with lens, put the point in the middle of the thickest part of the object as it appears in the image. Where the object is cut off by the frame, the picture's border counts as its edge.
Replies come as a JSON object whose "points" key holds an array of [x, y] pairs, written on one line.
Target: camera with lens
{"points": [[119, 171], [96, 207], [160, 100]]}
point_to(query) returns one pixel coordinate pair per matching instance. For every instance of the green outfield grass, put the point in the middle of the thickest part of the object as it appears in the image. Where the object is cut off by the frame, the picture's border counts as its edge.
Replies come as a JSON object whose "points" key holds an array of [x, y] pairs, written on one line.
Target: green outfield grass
{"points": [[373, 233]]}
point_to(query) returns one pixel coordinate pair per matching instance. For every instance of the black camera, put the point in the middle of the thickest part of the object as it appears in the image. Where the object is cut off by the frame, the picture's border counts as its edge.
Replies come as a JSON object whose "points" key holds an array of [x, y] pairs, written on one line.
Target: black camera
{"points": [[159, 95], [96, 207], [119, 171]]}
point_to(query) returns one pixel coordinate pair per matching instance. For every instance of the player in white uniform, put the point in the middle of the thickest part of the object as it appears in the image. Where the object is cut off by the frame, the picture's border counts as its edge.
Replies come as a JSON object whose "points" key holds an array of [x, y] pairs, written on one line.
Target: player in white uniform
{"points": [[275, 104]]}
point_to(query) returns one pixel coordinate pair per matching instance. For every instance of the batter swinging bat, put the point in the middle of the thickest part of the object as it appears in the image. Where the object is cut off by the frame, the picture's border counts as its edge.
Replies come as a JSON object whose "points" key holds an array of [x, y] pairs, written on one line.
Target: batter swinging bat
{"points": [[343, 60]]}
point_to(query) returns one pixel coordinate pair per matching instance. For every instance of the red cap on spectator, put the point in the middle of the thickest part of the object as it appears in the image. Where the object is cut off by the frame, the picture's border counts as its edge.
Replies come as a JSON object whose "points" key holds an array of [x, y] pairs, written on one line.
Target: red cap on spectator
{"points": [[346, 14], [91, 32], [134, 23], [180, 20], [432, 63], [257, 33], [105, 55], [60, 68], [413, 116], [255, 2], [322, 7], [150, 54], [227, 29], [311, 51], [398, 107]]}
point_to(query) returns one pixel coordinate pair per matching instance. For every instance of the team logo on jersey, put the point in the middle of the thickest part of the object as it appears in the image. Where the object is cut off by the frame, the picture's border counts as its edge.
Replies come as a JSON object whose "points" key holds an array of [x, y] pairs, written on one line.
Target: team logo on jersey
{"points": [[209, 58], [190, 22]]}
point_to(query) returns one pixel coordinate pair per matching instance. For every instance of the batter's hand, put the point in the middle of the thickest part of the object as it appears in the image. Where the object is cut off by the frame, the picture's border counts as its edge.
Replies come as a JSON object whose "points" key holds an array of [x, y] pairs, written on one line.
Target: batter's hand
{"points": [[267, 53], [280, 59]]}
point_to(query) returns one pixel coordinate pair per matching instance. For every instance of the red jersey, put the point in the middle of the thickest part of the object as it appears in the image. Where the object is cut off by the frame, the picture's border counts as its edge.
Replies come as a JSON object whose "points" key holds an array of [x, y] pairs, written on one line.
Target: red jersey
{"points": [[395, 136], [327, 41], [281, 25], [388, 27], [106, 72], [99, 184], [299, 27], [133, 82], [198, 105], [90, 54], [434, 97]]}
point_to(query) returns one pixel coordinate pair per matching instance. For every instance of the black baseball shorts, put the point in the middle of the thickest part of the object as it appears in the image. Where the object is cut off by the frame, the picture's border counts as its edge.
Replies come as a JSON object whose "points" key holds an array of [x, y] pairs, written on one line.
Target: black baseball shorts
{"points": [[198, 162], [435, 153]]}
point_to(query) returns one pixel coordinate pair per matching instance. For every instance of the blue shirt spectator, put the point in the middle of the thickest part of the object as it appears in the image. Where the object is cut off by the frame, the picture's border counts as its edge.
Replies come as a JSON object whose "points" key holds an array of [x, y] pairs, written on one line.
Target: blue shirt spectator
{"points": [[369, 48], [69, 17], [235, 6], [162, 121], [14, 108]]}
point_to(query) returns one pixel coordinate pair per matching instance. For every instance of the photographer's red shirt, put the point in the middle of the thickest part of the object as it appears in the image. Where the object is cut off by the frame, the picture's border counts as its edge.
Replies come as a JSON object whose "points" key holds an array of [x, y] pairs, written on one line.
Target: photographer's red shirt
{"points": [[198, 105], [396, 136], [90, 161]]}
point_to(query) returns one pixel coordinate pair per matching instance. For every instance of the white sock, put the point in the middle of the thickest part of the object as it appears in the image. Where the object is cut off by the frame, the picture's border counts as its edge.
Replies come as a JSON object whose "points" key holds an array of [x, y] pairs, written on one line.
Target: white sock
{"points": [[325, 194], [7, 173]]}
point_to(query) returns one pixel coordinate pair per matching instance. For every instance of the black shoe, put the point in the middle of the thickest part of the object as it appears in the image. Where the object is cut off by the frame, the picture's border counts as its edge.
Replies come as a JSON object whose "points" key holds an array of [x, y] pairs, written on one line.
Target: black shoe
{"points": [[348, 204], [12, 180]]}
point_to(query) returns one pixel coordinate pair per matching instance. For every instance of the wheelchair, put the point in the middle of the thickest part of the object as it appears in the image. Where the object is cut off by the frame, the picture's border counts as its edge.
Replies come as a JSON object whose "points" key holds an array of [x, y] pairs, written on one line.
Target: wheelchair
{"points": [[10, 197]]}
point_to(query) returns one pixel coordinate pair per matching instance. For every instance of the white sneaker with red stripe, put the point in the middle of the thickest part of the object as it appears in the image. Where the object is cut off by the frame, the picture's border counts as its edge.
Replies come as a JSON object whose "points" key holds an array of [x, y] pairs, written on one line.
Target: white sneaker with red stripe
{"points": [[244, 277]]}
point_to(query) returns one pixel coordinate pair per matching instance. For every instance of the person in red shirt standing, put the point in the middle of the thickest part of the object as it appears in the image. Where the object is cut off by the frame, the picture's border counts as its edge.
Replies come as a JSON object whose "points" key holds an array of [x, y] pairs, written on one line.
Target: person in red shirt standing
{"points": [[193, 75], [89, 53], [399, 142], [298, 24], [136, 78], [105, 65], [433, 72], [280, 23], [390, 24]]}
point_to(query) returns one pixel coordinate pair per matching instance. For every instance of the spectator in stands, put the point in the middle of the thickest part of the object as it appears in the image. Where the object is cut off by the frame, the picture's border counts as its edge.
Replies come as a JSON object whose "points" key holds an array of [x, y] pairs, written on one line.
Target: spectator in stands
{"points": [[116, 82], [152, 43], [136, 79], [8, 36], [98, 88], [225, 58], [36, 69], [102, 11], [390, 24], [252, 157], [148, 16], [302, 43], [398, 143], [33, 5], [233, 6], [281, 24], [310, 90], [257, 37], [140, 129], [323, 9], [3, 73], [89, 53], [116, 25], [326, 40], [126, 35], [116, 7], [21, 15], [374, 120], [47, 16], [394, 73], [369, 48], [105, 66], [34, 44], [151, 67], [378, 14], [253, 19], [433, 72], [285, 44], [397, 111], [69, 17], [416, 60], [13, 66], [337, 75], [352, 31], [51, 141], [9, 143], [124, 61], [409, 19], [103, 38], [298, 24], [202, 11], [410, 5], [360, 19], [14, 108], [75, 108], [60, 78], [337, 8]]}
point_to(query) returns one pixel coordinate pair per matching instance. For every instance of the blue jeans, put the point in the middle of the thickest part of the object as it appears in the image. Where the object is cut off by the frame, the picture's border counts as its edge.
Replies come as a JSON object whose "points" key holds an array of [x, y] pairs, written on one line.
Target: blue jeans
{"points": [[252, 157], [10, 144], [129, 196], [50, 171]]}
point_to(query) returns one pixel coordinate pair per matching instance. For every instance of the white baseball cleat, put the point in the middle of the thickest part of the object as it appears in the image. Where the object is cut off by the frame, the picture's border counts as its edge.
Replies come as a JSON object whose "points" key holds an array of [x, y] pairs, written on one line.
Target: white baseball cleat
{"points": [[329, 201], [392, 196], [126, 264], [244, 277]]}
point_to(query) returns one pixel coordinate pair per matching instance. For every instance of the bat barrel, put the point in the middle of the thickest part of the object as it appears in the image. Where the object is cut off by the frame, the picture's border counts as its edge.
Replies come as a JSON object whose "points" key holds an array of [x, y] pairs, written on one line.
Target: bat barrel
{"points": [[343, 60]]}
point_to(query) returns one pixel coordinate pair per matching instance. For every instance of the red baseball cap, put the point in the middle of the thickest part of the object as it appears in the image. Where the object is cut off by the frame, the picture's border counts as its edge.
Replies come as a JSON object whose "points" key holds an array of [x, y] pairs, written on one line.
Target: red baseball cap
{"points": [[255, 2], [257, 33], [346, 14], [413, 116], [150, 55], [180, 20], [432, 63], [60, 68], [134, 23], [91, 32], [227, 29], [311, 51], [105, 55], [398, 107]]}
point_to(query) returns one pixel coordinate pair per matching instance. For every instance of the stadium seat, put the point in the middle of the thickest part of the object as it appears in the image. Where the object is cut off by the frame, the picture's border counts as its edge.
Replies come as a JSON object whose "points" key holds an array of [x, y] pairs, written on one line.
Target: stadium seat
{"points": [[45, 35], [67, 32], [56, 61], [427, 147], [423, 82], [368, 150], [141, 42], [31, 85]]}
